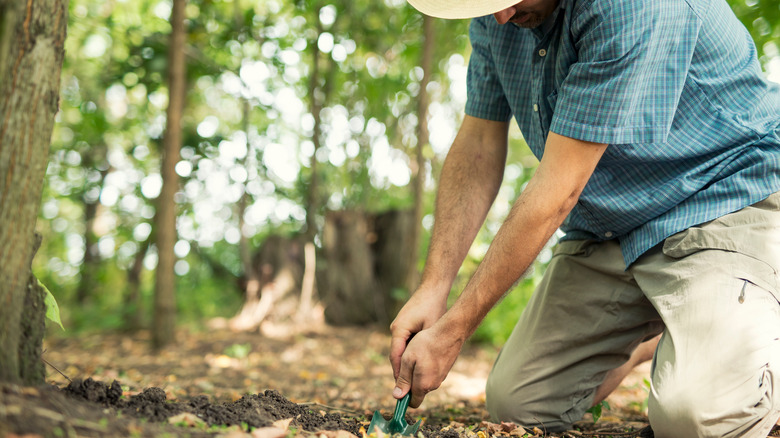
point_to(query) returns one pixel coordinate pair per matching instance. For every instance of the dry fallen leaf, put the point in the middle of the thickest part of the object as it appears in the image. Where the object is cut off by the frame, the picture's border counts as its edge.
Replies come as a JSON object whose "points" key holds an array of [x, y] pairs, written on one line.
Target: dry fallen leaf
{"points": [[28, 390], [187, 419], [498, 429], [268, 432], [283, 424], [234, 433], [335, 434], [518, 431]]}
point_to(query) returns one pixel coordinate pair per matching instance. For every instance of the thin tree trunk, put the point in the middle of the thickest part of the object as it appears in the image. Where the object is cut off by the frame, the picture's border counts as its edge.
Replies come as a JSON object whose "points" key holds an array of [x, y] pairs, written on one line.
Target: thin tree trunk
{"points": [[308, 282], [164, 322], [32, 36], [315, 106], [91, 262], [252, 279], [132, 312], [418, 186], [248, 316]]}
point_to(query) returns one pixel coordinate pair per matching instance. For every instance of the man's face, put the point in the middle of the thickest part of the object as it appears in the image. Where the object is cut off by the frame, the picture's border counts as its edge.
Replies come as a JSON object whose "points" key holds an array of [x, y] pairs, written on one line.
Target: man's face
{"points": [[528, 13]]}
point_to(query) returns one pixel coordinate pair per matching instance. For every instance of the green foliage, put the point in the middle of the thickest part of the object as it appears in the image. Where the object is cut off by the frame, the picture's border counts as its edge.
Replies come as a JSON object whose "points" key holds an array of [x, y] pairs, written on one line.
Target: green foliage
{"points": [[596, 410], [498, 324], [238, 351], [52, 309], [762, 19]]}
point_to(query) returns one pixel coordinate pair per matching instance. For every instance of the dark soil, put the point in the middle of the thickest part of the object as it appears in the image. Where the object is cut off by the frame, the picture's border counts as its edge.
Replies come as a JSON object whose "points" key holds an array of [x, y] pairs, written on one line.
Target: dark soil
{"points": [[251, 411]]}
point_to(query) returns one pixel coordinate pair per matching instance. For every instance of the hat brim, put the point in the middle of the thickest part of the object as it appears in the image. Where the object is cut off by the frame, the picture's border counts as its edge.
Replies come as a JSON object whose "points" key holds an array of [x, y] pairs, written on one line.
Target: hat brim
{"points": [[455, 9]]}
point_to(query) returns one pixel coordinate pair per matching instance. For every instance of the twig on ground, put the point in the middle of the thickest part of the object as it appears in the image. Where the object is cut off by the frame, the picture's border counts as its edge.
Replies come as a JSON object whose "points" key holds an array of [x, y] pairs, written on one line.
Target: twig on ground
{"points": [[613, 434], [332, 408], [55, 368]]}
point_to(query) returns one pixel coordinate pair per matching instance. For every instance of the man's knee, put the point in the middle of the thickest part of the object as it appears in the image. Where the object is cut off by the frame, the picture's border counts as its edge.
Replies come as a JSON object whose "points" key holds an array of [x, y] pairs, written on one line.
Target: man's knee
{"points": [[709, 410], [513, 405], [528, 405], [678, 413]]}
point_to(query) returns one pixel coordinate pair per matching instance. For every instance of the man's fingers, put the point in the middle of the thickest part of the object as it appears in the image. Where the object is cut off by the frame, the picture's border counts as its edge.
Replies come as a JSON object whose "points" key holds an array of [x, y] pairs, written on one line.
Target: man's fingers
{"points": [[397, 348], [403, 383], [416, 400], [422, 386]]}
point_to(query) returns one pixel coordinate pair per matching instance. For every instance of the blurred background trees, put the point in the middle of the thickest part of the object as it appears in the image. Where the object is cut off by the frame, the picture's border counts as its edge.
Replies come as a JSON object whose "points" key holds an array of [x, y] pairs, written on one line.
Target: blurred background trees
{"points": [[308, 126]]}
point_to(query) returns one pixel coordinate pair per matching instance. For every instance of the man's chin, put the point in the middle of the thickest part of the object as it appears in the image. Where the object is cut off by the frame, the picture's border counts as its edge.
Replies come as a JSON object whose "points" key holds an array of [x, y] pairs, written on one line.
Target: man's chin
{"points": [[530, 24], [527, 21]]}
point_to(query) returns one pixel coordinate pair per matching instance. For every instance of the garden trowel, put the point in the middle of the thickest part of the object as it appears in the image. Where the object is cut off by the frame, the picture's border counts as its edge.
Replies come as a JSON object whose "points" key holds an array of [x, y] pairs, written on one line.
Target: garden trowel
{"points": [[398, 423]]}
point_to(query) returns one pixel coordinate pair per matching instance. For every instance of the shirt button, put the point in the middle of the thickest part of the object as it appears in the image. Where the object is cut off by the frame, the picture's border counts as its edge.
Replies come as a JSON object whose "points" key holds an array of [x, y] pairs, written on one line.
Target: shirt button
{"points": [[536, 108], [609, 234], [542, 52]]}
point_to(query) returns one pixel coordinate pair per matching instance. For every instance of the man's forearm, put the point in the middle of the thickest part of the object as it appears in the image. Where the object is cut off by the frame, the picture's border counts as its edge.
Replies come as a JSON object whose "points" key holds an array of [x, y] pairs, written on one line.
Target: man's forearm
{"points": [[536, 214], [469, 182]]}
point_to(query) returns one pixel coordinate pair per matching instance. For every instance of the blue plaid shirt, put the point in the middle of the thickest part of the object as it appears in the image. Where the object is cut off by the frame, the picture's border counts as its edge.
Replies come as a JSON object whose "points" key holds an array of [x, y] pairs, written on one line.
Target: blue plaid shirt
{"points": [[673, 86]]}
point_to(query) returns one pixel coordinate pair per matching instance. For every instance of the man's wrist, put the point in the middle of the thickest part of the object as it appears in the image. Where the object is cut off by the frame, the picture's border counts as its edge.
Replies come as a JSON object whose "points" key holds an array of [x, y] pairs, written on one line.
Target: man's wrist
{"points": [[458, 325], [434, 288]]}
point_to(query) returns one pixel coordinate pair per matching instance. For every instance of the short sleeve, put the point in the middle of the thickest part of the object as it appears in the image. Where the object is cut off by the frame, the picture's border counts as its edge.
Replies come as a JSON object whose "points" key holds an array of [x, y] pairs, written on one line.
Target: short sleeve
{"points": [[633, 60], [485, 95]]}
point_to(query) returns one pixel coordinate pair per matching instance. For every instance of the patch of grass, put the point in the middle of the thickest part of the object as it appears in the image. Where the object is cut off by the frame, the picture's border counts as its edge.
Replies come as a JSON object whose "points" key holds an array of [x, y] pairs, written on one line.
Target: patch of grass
{"points": [[238, 351]]}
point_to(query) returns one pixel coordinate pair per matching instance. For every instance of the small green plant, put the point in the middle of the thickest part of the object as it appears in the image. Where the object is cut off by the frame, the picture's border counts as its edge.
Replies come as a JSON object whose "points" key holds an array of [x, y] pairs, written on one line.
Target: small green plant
{"points": [[647, 398], [238, 351], [597, 409], [52, 309]]}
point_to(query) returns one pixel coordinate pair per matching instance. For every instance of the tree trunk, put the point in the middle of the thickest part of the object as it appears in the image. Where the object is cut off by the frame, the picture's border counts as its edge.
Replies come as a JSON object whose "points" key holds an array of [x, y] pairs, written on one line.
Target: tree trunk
{"points": [[320, 86], [412, 277], [394, 236], [345, 274], [91, 263], [315, 106], [132, 312], [32, 36], [278, 267], [33, 328], [363, 265], [164, 322], [245, 320]]}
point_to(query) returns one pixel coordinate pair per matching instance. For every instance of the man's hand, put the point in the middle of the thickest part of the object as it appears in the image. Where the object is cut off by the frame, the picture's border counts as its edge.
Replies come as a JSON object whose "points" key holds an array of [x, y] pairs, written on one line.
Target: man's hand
{"points": [[426, 362], [422, 311]]}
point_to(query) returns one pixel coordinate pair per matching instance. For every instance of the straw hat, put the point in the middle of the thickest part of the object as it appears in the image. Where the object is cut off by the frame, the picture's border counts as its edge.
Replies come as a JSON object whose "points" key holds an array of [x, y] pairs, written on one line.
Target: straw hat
{"points": [[461, 8]]}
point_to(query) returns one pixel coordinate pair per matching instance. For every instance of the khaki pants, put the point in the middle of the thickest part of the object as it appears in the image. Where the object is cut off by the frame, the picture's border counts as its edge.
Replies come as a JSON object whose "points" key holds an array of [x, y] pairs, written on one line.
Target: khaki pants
{"points": [[713, 292]]}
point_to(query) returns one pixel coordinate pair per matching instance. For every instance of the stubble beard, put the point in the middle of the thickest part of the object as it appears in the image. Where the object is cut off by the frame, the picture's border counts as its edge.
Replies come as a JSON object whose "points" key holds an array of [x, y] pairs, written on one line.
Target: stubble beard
{"points": [[527, 20]]}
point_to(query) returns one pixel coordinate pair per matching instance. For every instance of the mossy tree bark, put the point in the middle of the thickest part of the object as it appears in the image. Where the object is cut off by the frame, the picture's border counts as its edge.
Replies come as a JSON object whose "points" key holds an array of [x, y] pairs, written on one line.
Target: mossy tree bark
{"points": [[32, 36]]}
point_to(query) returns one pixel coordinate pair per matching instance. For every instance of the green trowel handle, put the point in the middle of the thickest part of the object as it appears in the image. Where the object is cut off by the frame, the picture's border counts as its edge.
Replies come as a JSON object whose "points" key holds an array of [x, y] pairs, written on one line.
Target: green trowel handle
{"points": [[398, 422]]}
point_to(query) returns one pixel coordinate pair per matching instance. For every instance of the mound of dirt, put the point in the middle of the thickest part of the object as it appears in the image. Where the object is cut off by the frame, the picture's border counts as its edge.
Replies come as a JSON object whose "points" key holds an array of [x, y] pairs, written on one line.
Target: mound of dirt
{"points": [[254, 411]]}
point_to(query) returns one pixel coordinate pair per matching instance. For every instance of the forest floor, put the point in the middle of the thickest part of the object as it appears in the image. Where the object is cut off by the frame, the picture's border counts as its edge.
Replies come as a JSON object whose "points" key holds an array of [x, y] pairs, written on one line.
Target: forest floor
{"points": [[324, 382]]}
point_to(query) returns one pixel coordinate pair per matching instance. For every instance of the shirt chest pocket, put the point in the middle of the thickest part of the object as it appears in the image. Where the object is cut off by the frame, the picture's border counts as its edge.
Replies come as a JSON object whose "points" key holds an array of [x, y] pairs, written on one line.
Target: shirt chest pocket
{"points": [[551, 99]]}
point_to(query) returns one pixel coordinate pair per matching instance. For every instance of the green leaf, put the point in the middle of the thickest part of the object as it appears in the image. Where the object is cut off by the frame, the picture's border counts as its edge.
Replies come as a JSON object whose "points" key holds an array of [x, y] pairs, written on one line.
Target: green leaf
{"points": [[52, 309], [597, 410]]}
